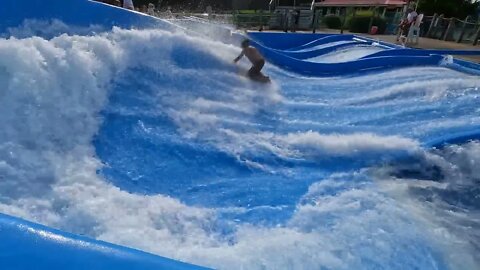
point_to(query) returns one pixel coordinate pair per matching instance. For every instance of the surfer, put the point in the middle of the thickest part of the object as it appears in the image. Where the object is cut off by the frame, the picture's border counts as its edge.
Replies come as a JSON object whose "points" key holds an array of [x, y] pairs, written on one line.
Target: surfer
{"points": [[257, 60]]}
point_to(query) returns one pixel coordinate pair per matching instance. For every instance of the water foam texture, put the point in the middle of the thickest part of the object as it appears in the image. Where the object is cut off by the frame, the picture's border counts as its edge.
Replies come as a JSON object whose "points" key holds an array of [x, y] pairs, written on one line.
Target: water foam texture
{"points": [[448, 180], [50, 29], [52, 95]]}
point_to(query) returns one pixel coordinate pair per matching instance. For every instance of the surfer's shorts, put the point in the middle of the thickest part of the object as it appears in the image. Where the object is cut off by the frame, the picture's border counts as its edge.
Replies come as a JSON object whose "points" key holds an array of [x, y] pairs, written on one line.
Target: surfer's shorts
{"points": [[256, 68]]}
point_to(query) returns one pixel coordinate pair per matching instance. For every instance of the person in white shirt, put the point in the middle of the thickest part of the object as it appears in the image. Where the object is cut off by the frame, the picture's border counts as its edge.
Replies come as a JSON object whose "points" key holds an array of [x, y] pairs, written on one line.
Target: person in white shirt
{"points": [[412, 16], [128, 4], [405, 25]]}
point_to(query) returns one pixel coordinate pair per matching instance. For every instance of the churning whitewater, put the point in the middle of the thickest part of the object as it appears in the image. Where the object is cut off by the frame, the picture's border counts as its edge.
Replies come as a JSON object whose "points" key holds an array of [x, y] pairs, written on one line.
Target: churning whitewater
{"points": [[151, 139]]}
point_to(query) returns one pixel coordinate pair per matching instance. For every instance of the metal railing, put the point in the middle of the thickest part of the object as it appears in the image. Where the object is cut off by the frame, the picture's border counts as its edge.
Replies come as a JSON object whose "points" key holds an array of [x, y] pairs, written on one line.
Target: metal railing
{"points": [[277, 20], [453, 29]]}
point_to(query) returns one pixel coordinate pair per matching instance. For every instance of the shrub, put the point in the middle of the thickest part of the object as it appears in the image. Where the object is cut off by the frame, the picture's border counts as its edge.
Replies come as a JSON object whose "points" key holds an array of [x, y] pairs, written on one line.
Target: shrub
{"points": [[359, 24], [332, 21], [364, 13]]}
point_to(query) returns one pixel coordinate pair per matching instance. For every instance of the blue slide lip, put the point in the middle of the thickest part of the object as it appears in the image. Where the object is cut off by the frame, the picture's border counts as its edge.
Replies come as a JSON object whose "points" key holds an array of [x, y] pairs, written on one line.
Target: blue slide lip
{"points": [[27, 245], [80, 13]]}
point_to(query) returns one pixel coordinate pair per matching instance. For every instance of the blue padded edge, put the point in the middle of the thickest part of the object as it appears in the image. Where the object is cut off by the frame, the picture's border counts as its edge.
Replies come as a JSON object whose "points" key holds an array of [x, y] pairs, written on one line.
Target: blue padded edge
{"points": [[74, 12], [25, 246]]}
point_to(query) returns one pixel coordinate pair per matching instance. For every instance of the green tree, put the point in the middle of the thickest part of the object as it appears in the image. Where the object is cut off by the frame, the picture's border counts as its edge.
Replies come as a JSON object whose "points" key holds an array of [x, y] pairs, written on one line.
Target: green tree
{"points": [[450, 8]]}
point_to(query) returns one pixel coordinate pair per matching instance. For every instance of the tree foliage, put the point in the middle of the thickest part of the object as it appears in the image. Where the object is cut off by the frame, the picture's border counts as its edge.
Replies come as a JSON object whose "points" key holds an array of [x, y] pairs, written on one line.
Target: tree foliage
{"points": [[450, 8]]}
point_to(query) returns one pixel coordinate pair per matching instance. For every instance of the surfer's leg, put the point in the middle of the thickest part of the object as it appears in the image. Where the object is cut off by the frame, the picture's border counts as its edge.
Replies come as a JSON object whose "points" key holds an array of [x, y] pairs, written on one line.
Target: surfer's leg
{"points": [[256, 68]]}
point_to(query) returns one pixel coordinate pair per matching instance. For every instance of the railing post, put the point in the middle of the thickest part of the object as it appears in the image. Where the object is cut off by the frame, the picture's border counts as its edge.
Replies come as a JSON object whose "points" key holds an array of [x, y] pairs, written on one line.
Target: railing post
{"points": [[449, 28], [435, 29], [477, 36], [343, 22], [460, 37], [314, 18], [433, 23]]}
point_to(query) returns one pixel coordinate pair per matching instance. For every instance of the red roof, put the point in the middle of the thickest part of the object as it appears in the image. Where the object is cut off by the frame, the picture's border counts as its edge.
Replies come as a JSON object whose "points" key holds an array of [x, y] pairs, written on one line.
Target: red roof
{"points": [[360, 3]]}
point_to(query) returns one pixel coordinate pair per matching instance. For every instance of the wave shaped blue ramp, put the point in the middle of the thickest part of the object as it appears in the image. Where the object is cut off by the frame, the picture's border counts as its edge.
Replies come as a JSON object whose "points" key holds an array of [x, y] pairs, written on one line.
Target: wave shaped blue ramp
{"points": [[26, 245], [285, 60], [82, 13]]}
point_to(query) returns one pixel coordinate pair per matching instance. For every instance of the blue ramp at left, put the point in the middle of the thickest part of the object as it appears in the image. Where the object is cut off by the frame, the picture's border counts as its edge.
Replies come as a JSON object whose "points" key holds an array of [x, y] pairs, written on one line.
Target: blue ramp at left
{"points": [[82, 13], [26, 246]]}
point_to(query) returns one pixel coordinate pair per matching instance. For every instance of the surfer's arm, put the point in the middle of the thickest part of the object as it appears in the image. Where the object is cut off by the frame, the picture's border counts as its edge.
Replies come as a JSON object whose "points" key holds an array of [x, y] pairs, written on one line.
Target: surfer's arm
{"points": [[239, 57]]}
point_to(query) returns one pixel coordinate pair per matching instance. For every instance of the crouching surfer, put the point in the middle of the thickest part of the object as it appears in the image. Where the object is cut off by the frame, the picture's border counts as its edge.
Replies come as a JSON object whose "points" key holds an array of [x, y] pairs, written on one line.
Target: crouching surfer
{"points": [[257, 60]]}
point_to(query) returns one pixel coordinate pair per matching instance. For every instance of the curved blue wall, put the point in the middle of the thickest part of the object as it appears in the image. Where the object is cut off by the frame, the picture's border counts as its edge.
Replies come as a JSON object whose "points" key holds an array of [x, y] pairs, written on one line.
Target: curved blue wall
{"points": [[345, 68], [73, 12], [281, 49], [26, 245]]}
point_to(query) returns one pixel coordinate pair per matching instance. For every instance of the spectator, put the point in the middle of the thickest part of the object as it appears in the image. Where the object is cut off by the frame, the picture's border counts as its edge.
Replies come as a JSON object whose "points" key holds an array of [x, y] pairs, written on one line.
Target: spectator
{"points": [[406, 23], [412, 16], [128, 4], [285, 20], [151, 9], [296, 18]]}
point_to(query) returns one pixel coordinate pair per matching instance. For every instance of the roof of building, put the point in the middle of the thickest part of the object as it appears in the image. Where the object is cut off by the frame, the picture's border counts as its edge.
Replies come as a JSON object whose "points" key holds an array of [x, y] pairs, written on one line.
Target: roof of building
{"points": [[331, 3]]}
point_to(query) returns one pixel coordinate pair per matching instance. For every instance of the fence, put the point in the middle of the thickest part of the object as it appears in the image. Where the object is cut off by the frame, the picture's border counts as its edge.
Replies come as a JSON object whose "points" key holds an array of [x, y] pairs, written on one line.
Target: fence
{"points": [[436, 27], [452, 29], [280, 19], [284, 19]]}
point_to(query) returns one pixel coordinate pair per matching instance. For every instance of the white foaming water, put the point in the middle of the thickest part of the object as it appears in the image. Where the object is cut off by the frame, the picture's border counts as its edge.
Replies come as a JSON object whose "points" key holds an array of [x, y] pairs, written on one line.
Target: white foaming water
{"points": [[51, 94], [431, 90], [32, 27], [448, 180]]}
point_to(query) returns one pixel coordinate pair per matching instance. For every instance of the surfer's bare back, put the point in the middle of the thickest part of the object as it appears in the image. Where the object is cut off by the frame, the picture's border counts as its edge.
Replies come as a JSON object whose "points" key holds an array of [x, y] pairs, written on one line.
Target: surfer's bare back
{"points": [[255, 58]]}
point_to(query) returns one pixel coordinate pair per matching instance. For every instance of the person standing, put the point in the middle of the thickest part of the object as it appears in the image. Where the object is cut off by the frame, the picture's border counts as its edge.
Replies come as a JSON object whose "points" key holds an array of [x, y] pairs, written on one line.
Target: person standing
{"points": [[151, 9], [128, 4], [296, 18], [406, 23]]}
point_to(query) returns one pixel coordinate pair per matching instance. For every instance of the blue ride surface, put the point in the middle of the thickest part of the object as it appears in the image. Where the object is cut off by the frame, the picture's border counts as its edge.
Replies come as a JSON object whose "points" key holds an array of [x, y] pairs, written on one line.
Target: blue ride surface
{"points": [[26, 245], [285, 52], [148, 138]]}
